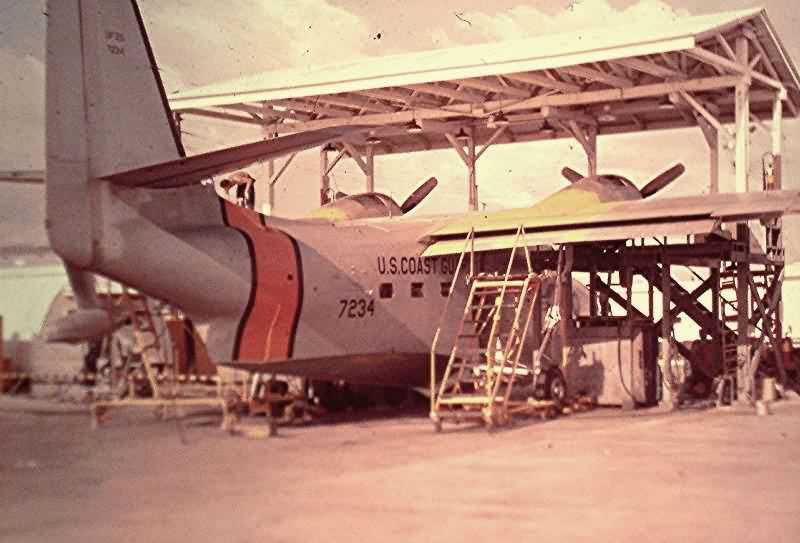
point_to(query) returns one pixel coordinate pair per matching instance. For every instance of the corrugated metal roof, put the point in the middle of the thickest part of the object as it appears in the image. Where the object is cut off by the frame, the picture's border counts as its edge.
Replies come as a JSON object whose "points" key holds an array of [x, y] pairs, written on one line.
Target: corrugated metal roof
{"points": [[535, 53]]}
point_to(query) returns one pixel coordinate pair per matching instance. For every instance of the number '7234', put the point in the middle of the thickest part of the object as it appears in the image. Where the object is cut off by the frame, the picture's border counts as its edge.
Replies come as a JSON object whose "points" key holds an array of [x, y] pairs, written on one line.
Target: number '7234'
{"points": [[356, 308]]}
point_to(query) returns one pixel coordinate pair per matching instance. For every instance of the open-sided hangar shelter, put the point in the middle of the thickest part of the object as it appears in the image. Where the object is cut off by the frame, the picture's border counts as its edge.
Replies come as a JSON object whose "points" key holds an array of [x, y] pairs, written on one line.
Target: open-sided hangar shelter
{"points": [[706, 71], [724, 73]]}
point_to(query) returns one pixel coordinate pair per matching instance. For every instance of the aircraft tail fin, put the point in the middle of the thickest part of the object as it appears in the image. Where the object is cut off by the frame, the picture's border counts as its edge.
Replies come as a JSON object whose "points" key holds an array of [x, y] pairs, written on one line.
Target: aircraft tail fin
{"points": [[106, 112]]}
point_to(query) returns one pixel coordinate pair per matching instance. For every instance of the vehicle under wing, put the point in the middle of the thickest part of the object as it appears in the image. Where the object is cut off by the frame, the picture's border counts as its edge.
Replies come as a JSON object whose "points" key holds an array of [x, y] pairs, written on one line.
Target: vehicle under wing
{"points": [[610, 221]]}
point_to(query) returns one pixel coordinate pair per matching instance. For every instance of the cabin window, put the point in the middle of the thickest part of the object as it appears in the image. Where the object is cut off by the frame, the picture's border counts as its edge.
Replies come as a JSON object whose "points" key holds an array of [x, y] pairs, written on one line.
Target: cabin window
{"points": [[416, 290], [445, 289], [386, 290]]}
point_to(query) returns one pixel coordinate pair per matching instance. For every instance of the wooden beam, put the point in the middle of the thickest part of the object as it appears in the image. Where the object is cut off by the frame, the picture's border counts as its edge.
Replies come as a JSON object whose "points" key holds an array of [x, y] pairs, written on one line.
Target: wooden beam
{"points": [[711, 135], [582, 98], [356, 156], [410, 99], [335, 161], [705, 113], [355, 102], [597, 75], [447, 92], [312, 107], [458, 147], [268, 112], [726, 47], [739, 67], [324, 180], [750, 35], [563, 114], [277, 175], [493, 138], [211, 114], [473, 174], [542, 81], [648, 67], [497, 88], [742, 113], [370, 168], [777, 141]]}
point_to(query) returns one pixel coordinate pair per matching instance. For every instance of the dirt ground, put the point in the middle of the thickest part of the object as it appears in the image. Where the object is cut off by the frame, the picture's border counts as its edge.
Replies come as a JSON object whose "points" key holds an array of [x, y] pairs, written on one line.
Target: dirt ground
{"points": [[607, 475]]}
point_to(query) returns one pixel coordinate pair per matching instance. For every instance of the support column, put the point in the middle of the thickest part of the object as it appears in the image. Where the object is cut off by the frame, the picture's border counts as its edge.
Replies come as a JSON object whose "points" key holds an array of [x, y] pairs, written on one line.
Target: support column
{"points": [[565, 304], [666, 336], [777, 139], [711, 135], [742, 120], [593, 305], [743, 313], [370, 168], [324, 180], [591, 153], [473, 180]]}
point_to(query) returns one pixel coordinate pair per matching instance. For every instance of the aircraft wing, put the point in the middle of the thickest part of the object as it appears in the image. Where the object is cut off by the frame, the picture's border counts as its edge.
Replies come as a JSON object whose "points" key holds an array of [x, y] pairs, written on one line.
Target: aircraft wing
{"points": [[609, 221], [193, 169]]}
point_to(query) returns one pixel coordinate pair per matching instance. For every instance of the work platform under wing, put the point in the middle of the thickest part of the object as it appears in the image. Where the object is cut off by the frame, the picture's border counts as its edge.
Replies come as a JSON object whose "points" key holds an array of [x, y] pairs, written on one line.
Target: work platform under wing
{"points": [[484, 363]]}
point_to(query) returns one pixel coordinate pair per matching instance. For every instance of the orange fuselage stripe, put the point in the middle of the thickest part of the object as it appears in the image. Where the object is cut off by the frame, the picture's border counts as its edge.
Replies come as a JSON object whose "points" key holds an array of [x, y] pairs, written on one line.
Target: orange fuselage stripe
{"points": [[269, 323]]}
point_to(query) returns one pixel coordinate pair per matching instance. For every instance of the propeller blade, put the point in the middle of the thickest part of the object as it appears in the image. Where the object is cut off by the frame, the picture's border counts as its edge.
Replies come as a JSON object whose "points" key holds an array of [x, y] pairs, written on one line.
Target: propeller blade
{"points": [[571, 175], [418, 195], [662, 180]]}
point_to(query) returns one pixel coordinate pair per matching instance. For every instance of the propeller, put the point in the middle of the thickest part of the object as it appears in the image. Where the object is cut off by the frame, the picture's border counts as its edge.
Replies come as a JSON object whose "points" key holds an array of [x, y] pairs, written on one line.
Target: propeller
{"points": [[662, 180], [418, 195], [656, 184], [571, 175]]}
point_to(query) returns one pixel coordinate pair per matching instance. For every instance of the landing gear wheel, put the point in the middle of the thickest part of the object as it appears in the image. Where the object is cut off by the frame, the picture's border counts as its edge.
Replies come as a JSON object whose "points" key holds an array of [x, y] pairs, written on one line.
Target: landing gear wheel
{"points": [[556, 386], [551, 385]]}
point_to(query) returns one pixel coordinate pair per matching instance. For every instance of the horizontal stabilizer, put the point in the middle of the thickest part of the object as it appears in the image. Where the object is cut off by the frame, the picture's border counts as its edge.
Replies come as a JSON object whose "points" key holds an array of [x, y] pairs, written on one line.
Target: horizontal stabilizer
{"points": [[193, 169]]}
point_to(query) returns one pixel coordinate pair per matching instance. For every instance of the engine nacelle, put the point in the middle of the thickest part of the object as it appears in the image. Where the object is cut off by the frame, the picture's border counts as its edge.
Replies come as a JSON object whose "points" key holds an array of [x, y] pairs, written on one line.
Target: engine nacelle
{"points": [[358, 206]]}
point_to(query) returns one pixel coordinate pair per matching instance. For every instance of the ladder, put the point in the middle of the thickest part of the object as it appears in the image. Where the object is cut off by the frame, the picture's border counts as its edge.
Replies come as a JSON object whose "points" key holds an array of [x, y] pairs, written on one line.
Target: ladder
{"points": [[147, 344], [729, 335], [484, 362]]}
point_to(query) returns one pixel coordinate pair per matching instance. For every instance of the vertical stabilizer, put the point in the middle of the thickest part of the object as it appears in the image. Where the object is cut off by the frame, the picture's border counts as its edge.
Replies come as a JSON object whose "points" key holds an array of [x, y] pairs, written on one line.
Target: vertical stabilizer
{"points": [[106, 113]]}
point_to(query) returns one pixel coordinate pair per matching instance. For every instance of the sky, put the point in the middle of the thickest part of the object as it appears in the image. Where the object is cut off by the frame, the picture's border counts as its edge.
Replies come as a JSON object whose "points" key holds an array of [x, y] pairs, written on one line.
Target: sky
{"points": [[197, 42]]}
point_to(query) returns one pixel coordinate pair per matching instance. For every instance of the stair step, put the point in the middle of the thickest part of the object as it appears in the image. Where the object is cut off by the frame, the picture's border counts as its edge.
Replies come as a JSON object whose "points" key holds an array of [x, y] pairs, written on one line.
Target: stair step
{"points": [[498, 284], [467, 399]]}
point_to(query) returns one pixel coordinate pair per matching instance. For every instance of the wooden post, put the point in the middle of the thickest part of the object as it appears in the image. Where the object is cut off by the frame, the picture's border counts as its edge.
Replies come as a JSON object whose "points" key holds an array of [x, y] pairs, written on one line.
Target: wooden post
{"points": [[473, 182], [715, 311], [324, 180], [743, 316], [593, 288], [591, 152], [711, 135], [742, 95], [565, 304], [370, 168], [777, 139], [666, 335]]}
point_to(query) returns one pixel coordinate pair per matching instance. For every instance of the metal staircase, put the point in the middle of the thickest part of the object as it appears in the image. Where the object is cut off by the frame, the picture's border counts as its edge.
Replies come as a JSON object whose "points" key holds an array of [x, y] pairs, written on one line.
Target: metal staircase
{"points": [[484, 362]]}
